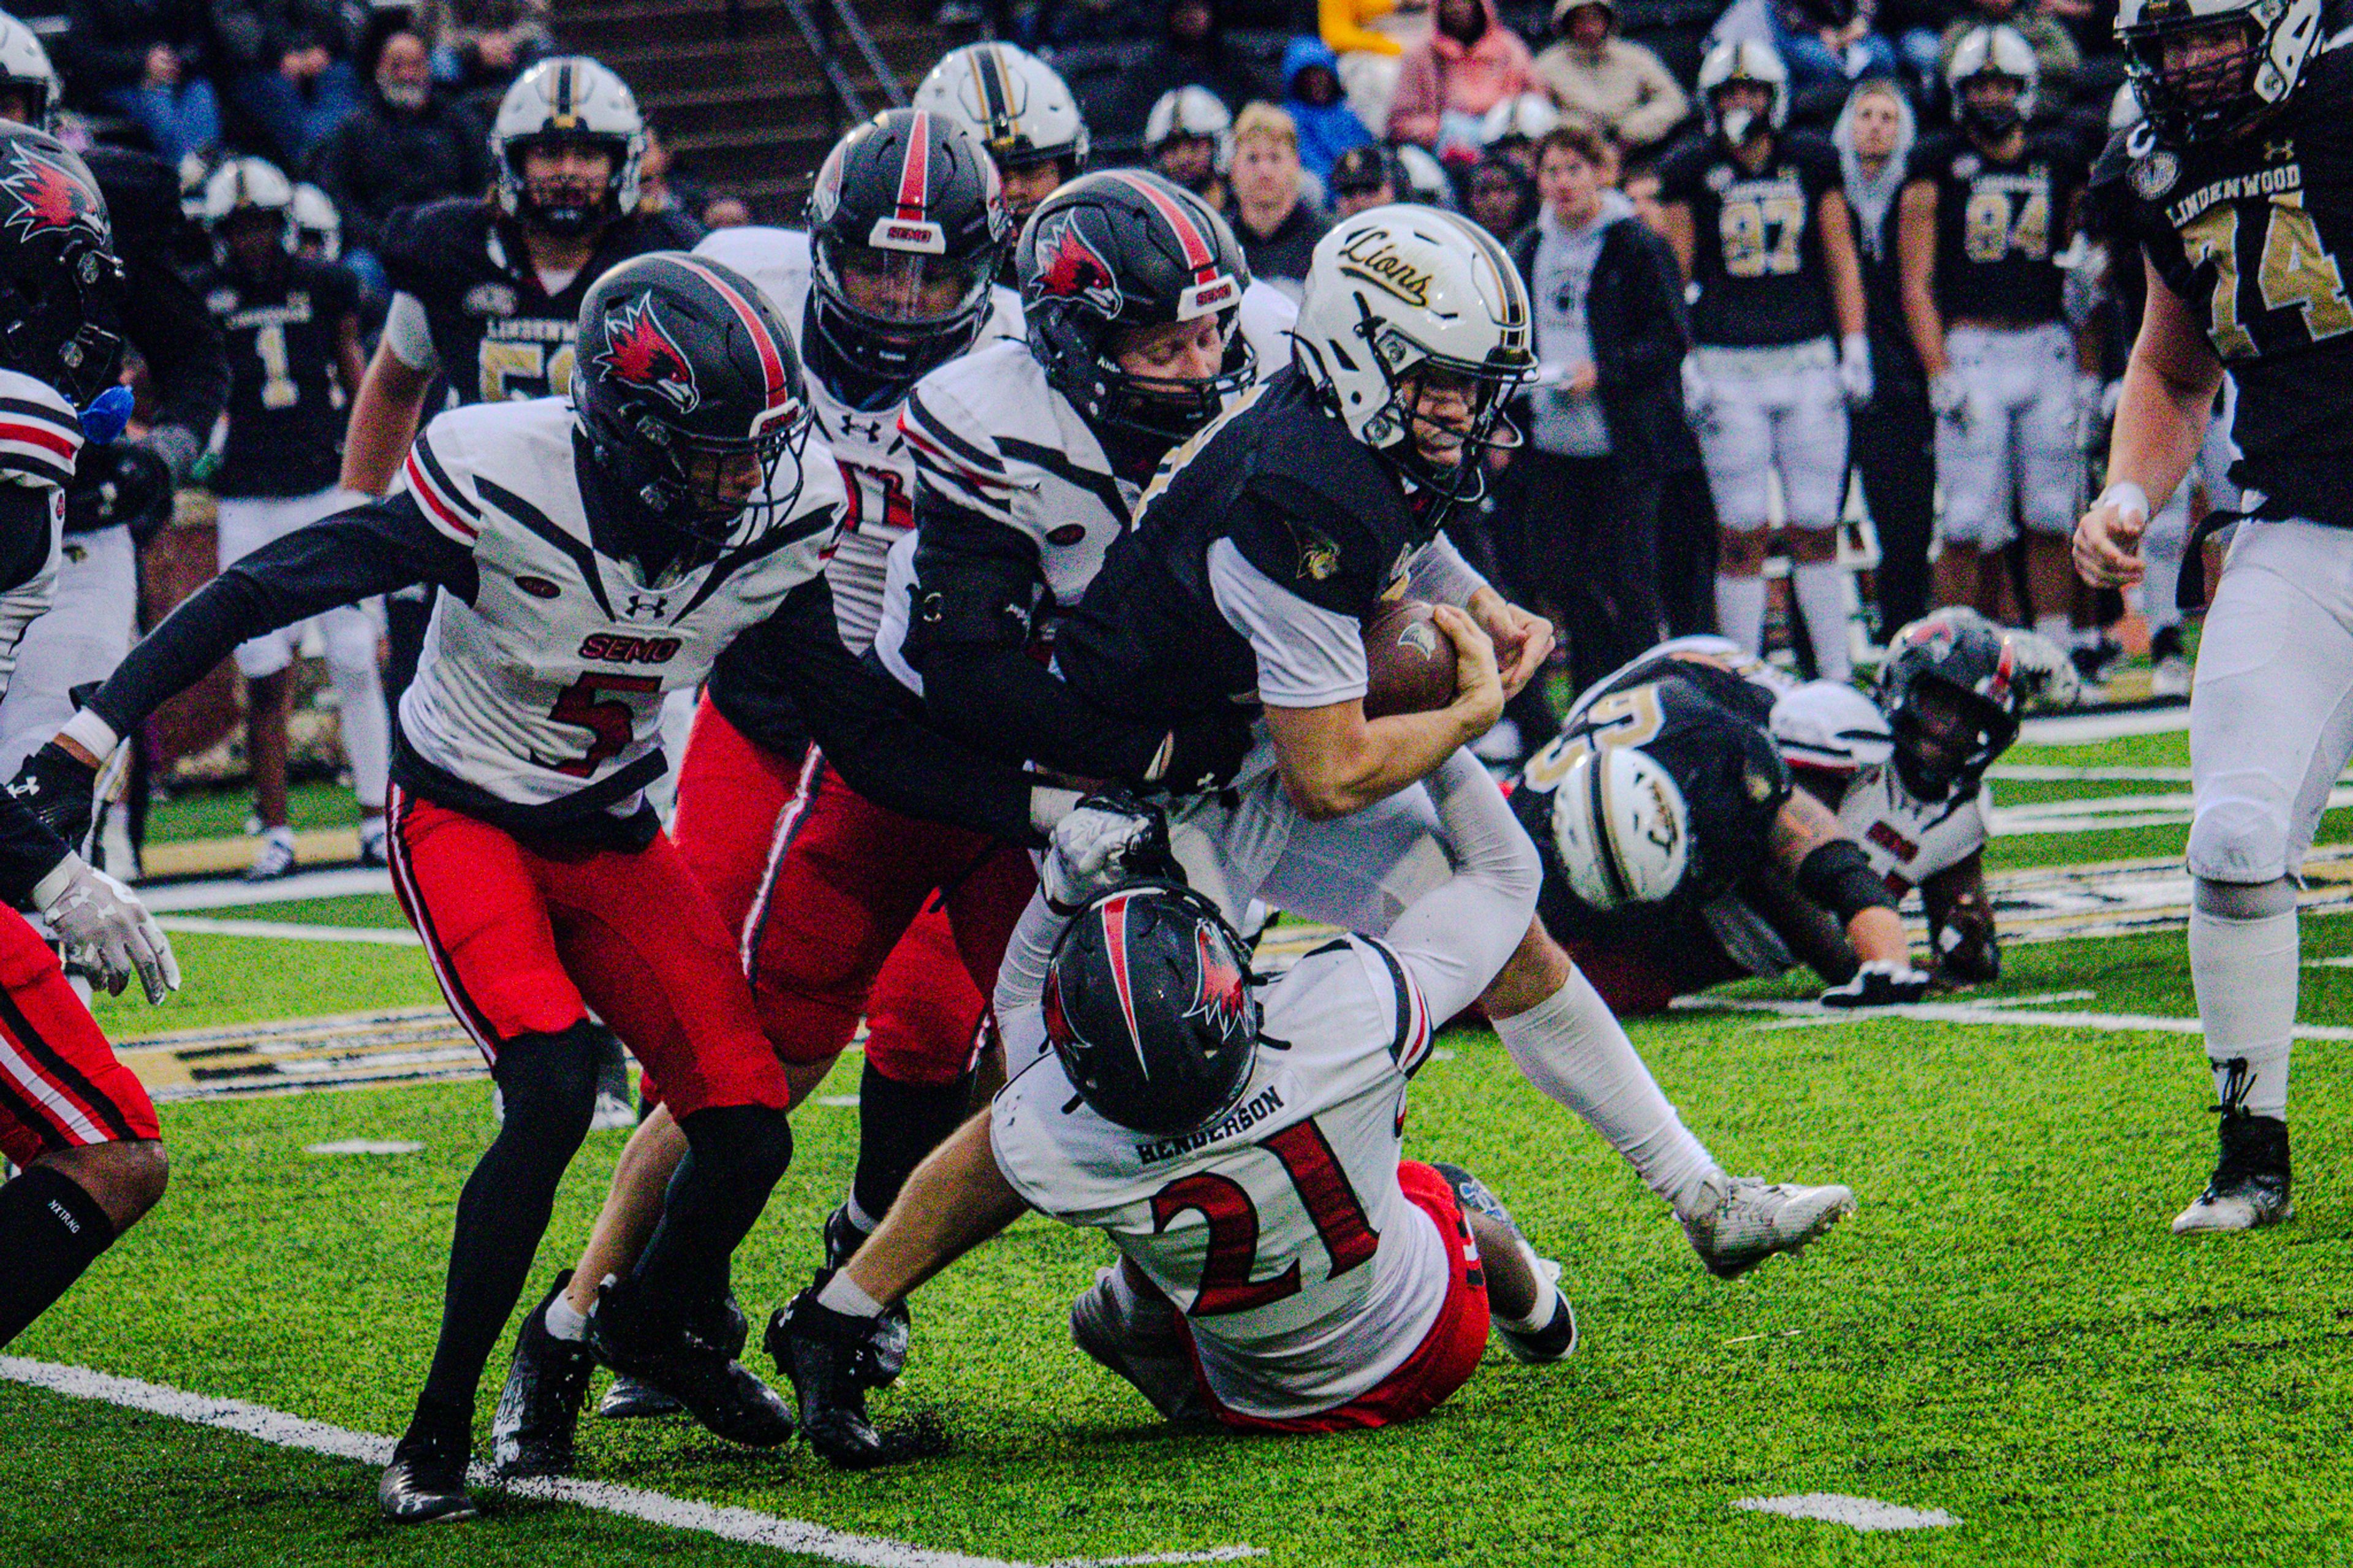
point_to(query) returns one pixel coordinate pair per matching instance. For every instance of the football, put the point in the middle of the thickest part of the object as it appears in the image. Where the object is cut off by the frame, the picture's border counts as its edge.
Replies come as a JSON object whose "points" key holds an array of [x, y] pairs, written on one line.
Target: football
{"points": [[1408, 661]]}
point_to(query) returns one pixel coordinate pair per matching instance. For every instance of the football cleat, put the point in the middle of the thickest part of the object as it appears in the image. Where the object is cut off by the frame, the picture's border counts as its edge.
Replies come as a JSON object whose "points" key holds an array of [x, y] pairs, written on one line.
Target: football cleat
{"points": [[426, 1481], [539, 1408], [818, 1349], [2171, 678], [884, 1354], [273, 857], [371, 842], [1752, 1220], [686, 1361], [1149, 1349], [1558, 1338], [2251, 1184], [629, 1400]]}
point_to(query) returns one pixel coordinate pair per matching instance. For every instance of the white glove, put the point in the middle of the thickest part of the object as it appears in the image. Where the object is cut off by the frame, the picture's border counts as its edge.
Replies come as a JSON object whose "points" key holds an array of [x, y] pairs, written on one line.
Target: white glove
{"points": [[1854, 370], [106, 929], [1108, 840], [1699, 398], [2046, 674], [1949, 398], [1879, 984]]}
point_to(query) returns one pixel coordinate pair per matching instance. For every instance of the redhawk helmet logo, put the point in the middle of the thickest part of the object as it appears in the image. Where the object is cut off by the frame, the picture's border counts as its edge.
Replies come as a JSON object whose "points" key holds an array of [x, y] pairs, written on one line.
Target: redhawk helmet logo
{"points": [[1068, 267], [1223, 998], [640, 353], [43, 194]]}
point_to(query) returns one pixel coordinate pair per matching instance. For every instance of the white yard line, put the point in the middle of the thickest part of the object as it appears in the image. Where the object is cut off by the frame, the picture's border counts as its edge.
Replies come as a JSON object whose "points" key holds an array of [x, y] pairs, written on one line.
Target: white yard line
{"points": [[2085, 728], [1858, 1512], [1813, 1015], [231, 892], [291, 931], [284, 1431]]}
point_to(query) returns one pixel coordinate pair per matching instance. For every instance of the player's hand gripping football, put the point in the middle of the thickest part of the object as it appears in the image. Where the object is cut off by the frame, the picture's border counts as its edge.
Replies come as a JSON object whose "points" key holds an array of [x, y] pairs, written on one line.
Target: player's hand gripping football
{"points": [[1109, 840], [1478, 685], [107, 929], [2107, 538], [1523, 641], [1881, 983]]}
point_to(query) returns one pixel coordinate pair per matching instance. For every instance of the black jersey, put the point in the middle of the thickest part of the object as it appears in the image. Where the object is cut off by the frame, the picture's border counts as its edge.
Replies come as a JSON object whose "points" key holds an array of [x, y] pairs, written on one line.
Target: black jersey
{"points": [[1757, 249], [497, 332], [2255, 234], [1304, 501], [2001, 224], [286, 398], [1703, 722]]}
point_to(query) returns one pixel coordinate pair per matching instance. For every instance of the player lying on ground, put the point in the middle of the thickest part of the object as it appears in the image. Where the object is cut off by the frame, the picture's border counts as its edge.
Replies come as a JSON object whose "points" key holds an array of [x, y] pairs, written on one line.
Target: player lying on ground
{"points": [[2240, 202], [72, 1118], [1260, 552], [1239, 1142], [593, 556]]}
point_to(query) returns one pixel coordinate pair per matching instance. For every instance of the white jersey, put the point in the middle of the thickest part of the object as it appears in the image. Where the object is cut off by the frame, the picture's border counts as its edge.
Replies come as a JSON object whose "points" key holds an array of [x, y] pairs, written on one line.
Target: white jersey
{"points": [[1908, 840], [40, 441], [1280, 1230], [1702, 648], [551, 682], [878, 472]]}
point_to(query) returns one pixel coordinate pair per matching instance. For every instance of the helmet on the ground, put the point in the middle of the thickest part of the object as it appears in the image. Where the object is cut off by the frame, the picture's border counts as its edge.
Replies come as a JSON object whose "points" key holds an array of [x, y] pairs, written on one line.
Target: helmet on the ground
{"points": [[2215, 98], [1122, 248], [1998, 52], [318, 222], [1148, 1008], [569, 98], [684, 374], [906, 223], [1621, 828], [25, 68], [1742, 60], [1949, 689], [1190, 110], [61, 292], [1016, 103], [243, 186], [1829, 726], [1401, 290]]}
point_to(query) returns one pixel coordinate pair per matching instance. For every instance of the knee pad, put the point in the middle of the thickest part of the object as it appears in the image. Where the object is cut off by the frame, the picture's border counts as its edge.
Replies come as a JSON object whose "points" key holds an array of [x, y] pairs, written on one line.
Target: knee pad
{"points": [[2238, 842], [740, 1150], [547, 1083], [2246, 900]]}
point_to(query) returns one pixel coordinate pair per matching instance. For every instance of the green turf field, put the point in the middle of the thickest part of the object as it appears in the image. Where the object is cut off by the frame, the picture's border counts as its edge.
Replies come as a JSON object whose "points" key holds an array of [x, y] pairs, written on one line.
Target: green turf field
{"points": [[2004, 1330]]}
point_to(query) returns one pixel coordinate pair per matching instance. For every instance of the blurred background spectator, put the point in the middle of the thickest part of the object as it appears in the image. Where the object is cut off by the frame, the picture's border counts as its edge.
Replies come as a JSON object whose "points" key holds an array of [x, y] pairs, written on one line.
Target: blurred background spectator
{"points": [[1499, 196], [1190, 51], [1470, 63], [288, 64], [1620, 86], [484, 43], [1371, 37], [1328, 127], [408, 142], [148, 60], [1276, 225], [1362, 177]]}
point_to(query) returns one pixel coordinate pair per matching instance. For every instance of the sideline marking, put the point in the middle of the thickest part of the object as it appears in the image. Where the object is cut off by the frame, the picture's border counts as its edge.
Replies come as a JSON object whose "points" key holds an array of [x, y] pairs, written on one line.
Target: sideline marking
{"points": [[364, 1146], [292, 931], [1859, 1512], [231, 892], [1813, 1015], [744, 1524]]}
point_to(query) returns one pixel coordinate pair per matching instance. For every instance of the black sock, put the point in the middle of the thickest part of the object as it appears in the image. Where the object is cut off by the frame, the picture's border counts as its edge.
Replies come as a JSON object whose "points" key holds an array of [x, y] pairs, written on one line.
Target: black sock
{"points": [[50, 1230], [549, 1083], [736, 1155], [898, 1124]]}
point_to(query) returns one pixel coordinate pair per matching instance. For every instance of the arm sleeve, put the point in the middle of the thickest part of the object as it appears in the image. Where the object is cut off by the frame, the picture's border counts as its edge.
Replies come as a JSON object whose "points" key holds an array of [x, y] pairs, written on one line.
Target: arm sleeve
{"points": [[341, 560], [1439, 575], [1308, 657], [1454, 938], [409, 335]]}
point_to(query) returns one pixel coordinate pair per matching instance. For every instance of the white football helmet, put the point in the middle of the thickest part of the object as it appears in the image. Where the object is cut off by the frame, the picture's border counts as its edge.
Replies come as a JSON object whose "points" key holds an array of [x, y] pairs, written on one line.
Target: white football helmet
{"points": [[1830, 726], [1742, 59], [317, 221], [1525, 118], [1621, 828], [1425, 177], [1992, 51], [1016, 103], [248, 186], [1191, 111], [2280, 38], [569, 96], [1392, 290], [25, 68]]}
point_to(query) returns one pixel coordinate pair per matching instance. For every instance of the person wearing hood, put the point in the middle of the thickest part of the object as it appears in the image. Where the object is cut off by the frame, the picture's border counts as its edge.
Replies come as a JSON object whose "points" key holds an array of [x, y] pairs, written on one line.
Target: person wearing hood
{"points": [[1605, 421], [1891, 438], [1446, 86], [1327, 126], [1593, 73], [1191, 52], [1371, 37]]}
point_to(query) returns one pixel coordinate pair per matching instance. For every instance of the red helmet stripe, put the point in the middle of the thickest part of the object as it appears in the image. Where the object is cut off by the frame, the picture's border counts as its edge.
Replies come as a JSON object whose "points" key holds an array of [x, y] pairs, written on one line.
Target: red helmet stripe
{"points": [[1199, 254], [915, 173], [1114, 912], [772, 360]]}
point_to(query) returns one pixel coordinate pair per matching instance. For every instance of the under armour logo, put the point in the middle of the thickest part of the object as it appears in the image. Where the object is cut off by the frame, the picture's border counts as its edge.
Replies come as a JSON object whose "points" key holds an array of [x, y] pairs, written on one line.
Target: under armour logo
{"points": [[645, 607], [865, 429], [2279, 150]]}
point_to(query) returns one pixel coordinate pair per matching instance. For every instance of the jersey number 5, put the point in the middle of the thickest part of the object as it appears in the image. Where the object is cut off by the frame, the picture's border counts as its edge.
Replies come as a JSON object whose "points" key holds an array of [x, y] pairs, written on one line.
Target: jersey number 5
{"points": [[2295, 270], [608, 719], [1323, 1190]]}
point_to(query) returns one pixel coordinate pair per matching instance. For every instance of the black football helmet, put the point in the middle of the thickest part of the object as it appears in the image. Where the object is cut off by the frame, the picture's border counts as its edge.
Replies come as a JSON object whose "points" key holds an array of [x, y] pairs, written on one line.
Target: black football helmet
{"points": [[1148, 1008], [685, 380], [1950, 691], [61, 283], [1122, 248], [906, 225]]}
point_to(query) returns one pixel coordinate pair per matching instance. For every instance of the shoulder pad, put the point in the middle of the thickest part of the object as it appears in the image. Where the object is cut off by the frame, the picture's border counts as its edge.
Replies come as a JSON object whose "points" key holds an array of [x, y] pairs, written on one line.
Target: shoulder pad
{"points": [[776, 260], [420, 240], [439, 470], [143, 197], [40, 434]]}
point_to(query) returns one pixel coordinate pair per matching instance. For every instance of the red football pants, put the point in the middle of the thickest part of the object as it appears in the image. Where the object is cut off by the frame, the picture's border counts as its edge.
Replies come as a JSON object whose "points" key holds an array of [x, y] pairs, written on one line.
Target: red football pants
{"points": [[61, 1087], [527, 940]]}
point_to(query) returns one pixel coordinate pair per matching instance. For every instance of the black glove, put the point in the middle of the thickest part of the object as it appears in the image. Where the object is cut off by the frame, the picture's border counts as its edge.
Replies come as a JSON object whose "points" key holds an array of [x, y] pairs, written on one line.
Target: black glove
{"points": [[1967, 950], [1879, 985], [118, 483], [1205, 754], [817, 1348], [61, 790]]}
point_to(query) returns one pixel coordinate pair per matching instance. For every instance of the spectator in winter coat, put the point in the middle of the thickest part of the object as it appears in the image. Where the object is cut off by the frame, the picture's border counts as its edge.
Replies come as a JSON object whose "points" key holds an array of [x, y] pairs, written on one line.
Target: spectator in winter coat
{"points": [[1311, 88], [1500, 195], [288, 63], [1362, 177], [482, 43], [1191, 51], [1277, 225], [1371, 37], [406, 143], [1594, 73], [146, 60], [1446, 87]]}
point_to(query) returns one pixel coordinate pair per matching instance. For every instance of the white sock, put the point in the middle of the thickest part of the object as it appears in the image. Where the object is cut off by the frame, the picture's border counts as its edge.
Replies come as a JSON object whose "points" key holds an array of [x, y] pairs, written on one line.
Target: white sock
{"points": [[2246, 978], [842, 1295], [865, 1223], [1571, 1047], [366, 728], [1740, 611], [565, 1321], [1819, 588]]}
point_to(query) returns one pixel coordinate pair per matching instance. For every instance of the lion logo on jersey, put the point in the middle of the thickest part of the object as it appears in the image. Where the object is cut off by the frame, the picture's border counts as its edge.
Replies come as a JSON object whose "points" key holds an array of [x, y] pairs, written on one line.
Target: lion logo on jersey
{"points": [[1069, 267], [1222, 994], [640, 352], [44, 193]]}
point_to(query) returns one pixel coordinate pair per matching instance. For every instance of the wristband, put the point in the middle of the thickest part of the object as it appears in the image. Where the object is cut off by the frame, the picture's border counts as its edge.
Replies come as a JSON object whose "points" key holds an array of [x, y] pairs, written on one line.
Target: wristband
{"points": [[91, 734], [2128, 497]]}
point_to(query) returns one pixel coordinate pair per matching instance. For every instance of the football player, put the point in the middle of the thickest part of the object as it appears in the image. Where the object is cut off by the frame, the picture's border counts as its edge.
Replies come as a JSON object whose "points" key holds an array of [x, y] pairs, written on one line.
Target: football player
{"points": [[1280, 1267], [1188, 140], [670, 519], [1261, 549], [1985, 211], [292, 327], [2241, 179], [1024, 115], [1758, 216], [73, 1119]]}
